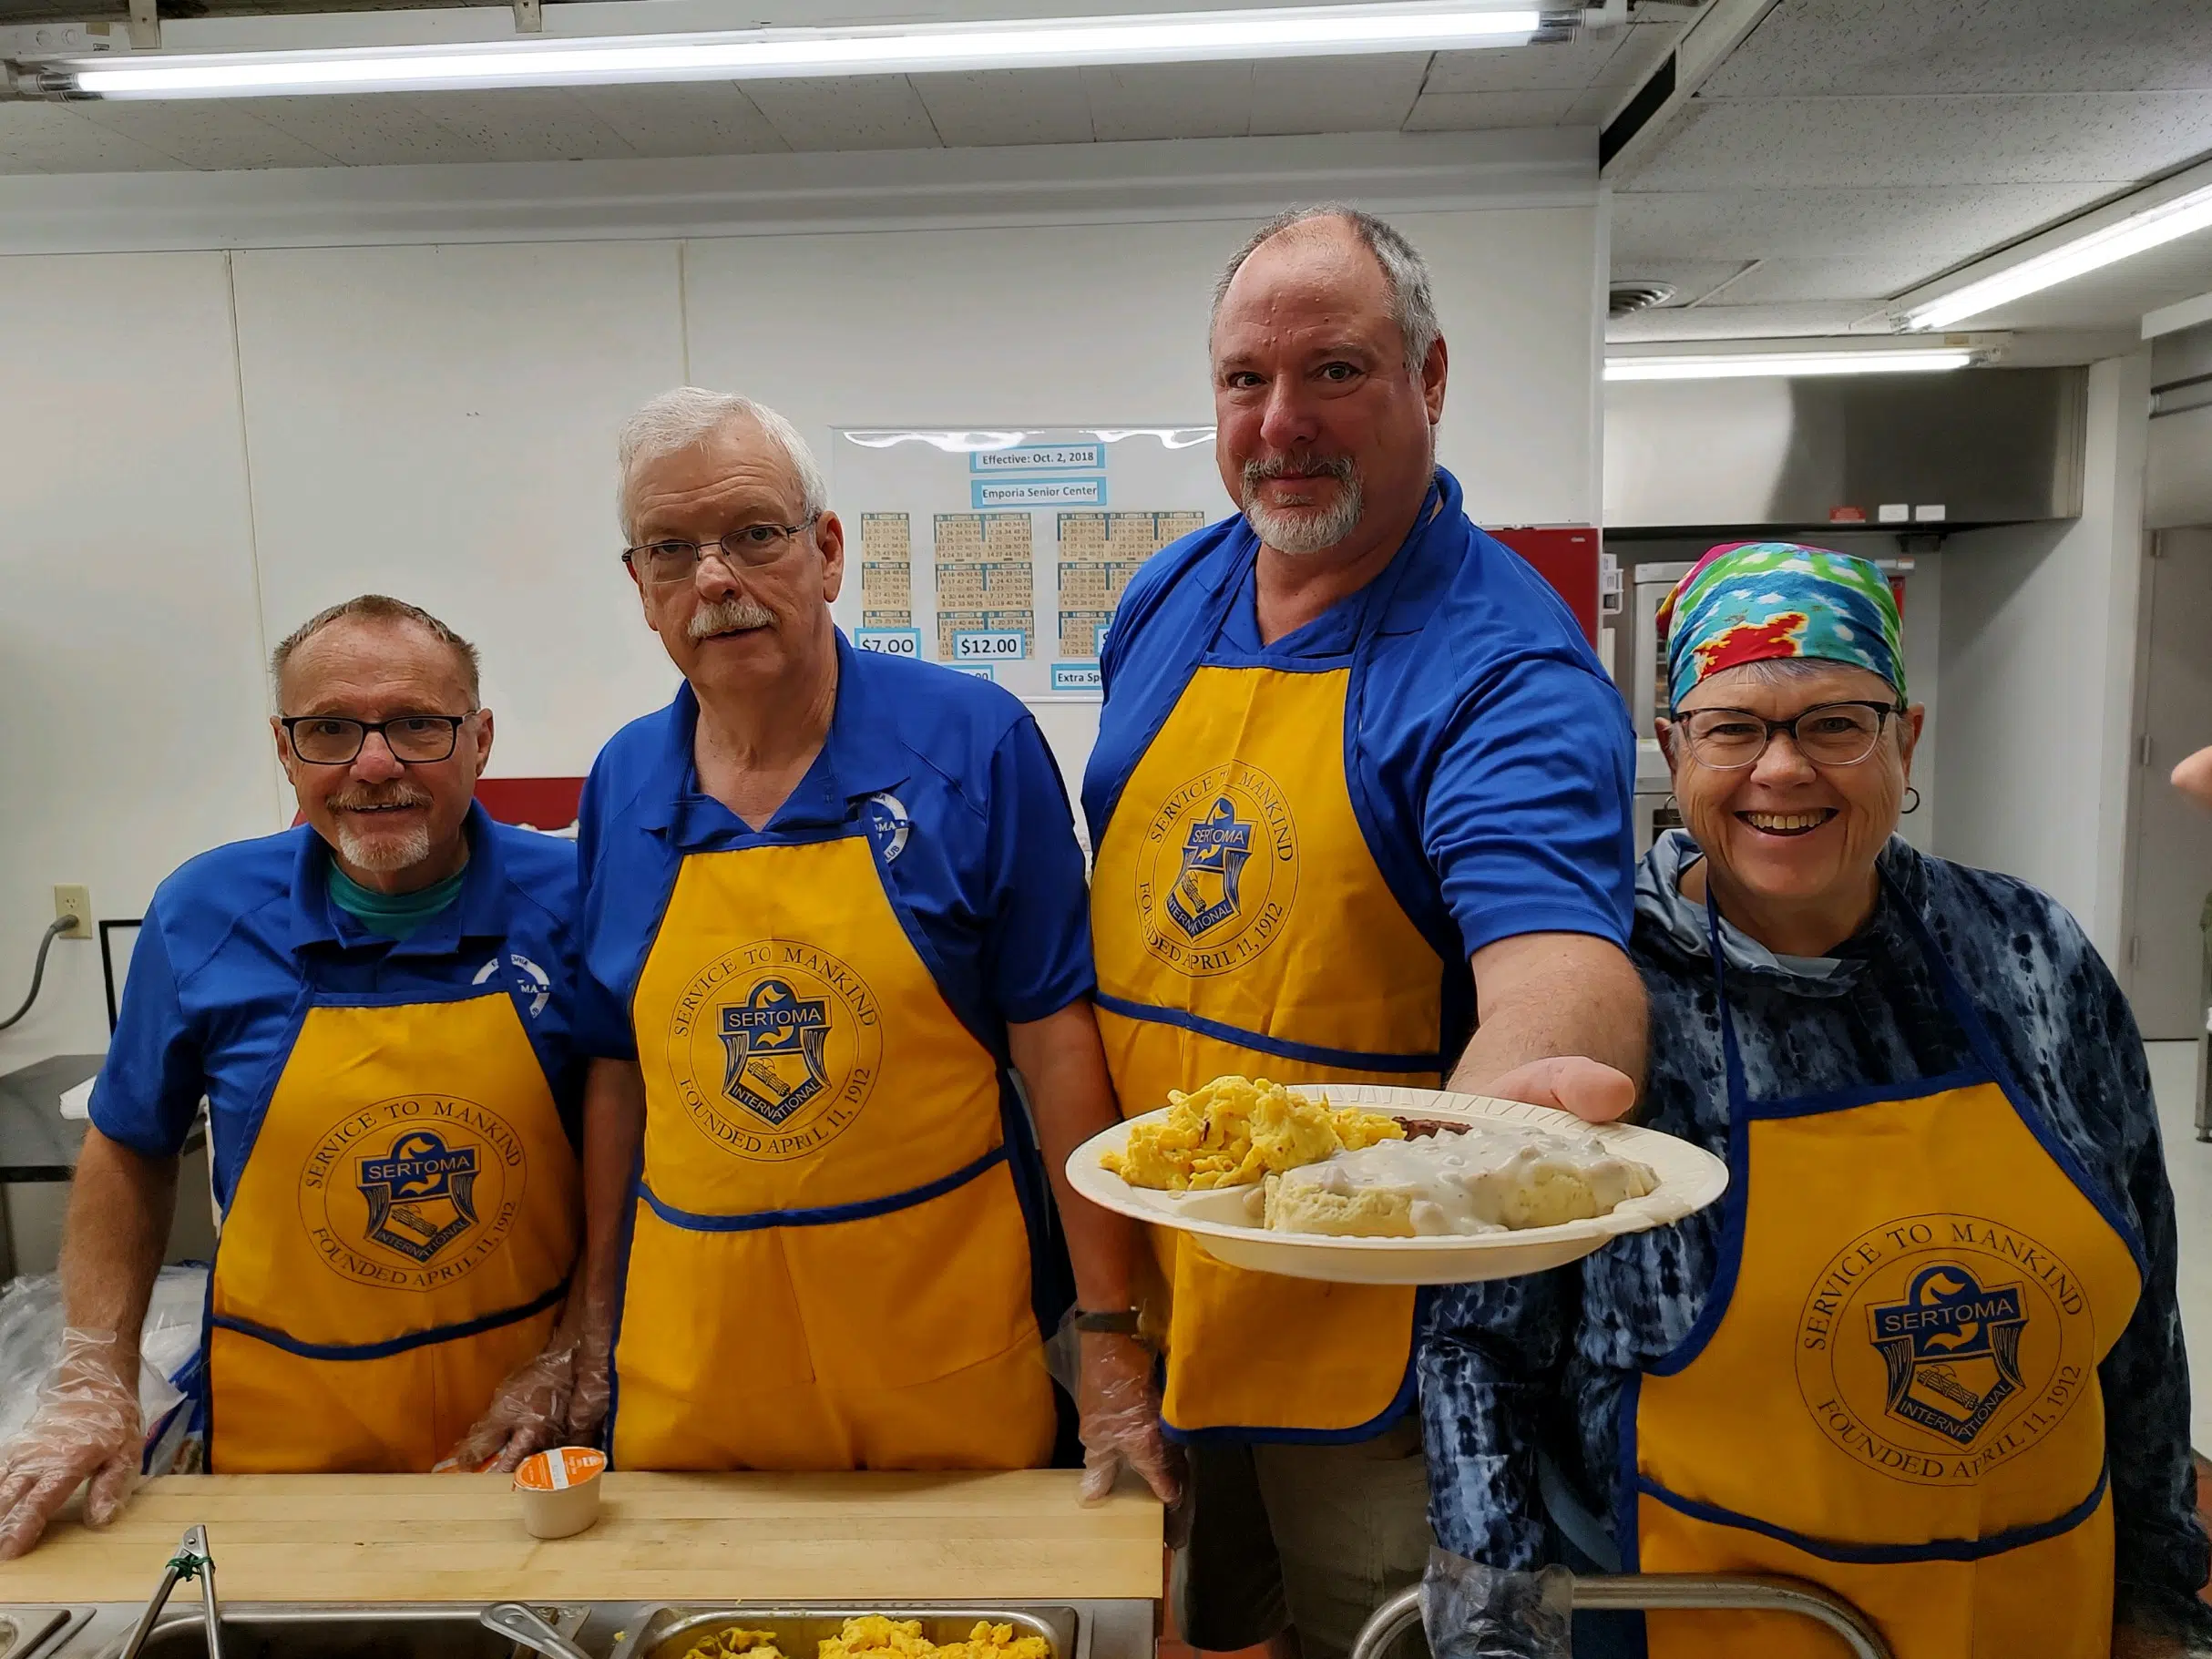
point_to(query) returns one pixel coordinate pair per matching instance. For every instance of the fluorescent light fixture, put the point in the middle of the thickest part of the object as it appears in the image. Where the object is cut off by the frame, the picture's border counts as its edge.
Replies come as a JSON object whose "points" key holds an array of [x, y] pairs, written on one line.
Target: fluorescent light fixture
{"points": [[1743, 365], [778, 54], [2122, 238]]}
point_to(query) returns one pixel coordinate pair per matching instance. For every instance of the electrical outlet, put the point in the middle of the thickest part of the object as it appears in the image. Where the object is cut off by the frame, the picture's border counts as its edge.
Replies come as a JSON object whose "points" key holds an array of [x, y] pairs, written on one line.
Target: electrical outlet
{"points": [[74, 905]]}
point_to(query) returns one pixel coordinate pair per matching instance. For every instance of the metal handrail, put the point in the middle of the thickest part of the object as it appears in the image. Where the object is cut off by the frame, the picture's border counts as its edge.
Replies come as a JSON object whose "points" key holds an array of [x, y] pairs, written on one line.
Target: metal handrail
{"points": [[1678, 1592]]}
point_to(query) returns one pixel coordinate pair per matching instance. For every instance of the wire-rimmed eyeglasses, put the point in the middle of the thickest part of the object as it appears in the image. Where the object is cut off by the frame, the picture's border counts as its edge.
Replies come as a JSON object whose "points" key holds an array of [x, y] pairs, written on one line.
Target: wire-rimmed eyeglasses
{"points": [[668, 560]]}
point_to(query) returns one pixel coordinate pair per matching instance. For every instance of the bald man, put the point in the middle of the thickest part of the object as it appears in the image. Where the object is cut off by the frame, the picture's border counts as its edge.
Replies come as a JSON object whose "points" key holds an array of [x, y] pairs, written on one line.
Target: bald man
{"points": [[1357, 776]]}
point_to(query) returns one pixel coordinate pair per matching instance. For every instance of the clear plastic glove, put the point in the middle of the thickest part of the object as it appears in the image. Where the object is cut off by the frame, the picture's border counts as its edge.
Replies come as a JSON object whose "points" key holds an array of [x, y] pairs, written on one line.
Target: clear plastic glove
{"points": [[86, 1426], [593, 1393], [1118, 1413], [1473, 1612], [529, 1412], [559, 1399]]}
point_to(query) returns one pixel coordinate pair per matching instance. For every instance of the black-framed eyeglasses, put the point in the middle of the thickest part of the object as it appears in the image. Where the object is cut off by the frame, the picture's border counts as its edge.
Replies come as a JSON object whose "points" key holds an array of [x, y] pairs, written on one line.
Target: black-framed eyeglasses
{"points": [[415, 740], [1827, 734], [666, 562]]}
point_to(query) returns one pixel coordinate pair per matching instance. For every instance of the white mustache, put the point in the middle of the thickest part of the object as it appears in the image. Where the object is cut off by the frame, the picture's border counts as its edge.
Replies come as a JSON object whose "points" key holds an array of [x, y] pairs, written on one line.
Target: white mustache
{"points": [[725, 616]]}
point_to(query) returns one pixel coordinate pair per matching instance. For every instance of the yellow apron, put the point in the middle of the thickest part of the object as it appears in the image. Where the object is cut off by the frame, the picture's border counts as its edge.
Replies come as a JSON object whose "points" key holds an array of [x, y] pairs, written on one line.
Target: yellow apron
{"points": [[1893, 1390], [829, 1262], [399, 1240], [1241, 924]]}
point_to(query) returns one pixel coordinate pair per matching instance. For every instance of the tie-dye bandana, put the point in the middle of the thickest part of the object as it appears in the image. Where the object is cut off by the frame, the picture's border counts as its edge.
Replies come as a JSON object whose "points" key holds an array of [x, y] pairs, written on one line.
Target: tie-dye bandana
{"points": [[1757, 601]]}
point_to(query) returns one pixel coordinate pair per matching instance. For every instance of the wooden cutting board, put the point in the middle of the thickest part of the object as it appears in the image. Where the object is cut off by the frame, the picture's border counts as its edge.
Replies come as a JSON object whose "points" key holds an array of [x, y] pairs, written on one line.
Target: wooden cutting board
{"points": [[752, 1537]]}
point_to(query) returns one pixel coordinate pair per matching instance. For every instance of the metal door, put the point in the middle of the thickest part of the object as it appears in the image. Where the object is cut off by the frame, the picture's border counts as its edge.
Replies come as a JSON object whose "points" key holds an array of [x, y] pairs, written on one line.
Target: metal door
{"points": [[2170, 863]]}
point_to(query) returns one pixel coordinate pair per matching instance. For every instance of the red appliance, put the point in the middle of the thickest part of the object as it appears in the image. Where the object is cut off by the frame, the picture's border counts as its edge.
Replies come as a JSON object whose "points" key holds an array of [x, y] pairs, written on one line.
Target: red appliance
{"points": [[1566, 556]]}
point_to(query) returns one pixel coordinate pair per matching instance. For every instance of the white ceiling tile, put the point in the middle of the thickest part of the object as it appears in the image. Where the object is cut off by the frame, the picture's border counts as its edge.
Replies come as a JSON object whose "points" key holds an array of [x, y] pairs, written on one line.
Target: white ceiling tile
{"points": [[1810, 48], [1984, 139], [207, 135], [847, 112], [56, 138], [1170, 101], [1718, 322], [1006, 107], [1595, 107], [525, 124], [1308, 94], [1780, 282], [1478, 111], [682, 118], [1642, 51], [1565, 65], [1940, 226], [1691, 279], [370, 129]]}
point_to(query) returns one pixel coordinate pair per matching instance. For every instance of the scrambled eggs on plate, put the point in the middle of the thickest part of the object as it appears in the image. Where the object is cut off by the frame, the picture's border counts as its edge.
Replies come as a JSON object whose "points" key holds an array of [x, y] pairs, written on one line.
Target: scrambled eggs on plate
{"points": [[1235, 1131]]}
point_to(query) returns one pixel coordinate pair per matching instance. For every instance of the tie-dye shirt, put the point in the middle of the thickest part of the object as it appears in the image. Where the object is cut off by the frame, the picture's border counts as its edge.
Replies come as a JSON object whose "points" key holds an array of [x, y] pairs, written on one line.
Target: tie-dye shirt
{"points": [[1508, 1365]]}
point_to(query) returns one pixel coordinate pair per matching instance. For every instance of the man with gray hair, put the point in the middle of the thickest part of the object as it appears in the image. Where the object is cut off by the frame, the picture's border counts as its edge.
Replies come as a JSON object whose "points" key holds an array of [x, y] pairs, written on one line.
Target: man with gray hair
{"points": [[375, 1006], [834, 905], [1360, 800]]}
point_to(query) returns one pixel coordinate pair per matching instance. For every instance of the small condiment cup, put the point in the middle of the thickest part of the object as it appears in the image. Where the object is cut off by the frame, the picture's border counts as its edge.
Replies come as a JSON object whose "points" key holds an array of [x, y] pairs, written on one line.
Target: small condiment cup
{"points": [[559, 1490]]}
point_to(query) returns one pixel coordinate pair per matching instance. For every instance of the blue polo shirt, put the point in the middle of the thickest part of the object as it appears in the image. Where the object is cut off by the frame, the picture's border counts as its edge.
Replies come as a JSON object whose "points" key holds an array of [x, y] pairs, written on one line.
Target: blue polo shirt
{"points": [[948, 776], [237, 940], [1488, 753]]}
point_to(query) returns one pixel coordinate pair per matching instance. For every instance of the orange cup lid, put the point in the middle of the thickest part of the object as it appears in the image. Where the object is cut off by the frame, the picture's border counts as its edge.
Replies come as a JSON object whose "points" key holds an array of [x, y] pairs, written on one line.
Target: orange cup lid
{"points": [[548, 1471]]}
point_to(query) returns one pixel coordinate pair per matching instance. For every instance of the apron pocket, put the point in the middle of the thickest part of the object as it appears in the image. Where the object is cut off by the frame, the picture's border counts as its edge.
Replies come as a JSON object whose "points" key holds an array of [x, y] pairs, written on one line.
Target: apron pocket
{"points": [[277, 1412], [919, 1293]]}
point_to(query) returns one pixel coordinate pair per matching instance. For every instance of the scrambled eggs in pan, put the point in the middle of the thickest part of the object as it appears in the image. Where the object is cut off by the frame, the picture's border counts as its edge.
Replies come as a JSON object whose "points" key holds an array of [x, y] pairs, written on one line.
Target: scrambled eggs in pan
{"points": [[1235, 1130], [872, 1633]]}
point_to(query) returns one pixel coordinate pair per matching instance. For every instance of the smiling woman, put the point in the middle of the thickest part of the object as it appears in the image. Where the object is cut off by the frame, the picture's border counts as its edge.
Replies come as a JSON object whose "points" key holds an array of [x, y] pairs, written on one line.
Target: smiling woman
{"points": [[1948, 1249]]}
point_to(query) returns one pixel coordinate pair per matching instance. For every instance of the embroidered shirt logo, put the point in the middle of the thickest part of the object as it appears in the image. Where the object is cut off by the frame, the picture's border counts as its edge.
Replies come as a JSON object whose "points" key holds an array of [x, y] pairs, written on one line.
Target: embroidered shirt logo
{"points": [[888, 825], [775, 1041], [1935, 1348], [413, 1192], [774, 1047], [532, 986], [1217, 871]]}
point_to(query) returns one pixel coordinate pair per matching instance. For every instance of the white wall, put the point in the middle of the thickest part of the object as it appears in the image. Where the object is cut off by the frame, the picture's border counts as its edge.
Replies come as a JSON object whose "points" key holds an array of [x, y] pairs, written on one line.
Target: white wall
{"points": [[130, 626], [2038, 668], [199, 448]]}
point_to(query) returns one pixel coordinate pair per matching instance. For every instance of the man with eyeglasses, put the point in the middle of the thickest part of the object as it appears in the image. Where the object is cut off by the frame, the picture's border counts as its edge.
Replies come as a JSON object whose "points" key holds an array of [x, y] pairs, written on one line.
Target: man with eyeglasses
{"points": [[375, 1007], [834, 902]]}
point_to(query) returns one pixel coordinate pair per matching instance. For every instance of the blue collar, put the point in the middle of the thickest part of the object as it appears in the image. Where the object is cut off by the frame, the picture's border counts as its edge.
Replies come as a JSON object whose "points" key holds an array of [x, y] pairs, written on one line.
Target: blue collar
{"points": [[480, 912], [1402, 598], [863, 756]]}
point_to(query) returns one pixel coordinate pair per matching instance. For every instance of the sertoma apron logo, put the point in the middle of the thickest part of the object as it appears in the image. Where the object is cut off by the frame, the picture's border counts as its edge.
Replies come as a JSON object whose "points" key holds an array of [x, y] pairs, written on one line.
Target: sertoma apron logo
{"points": [[413, 1192], [421, 1194], [1937, 1346], [774, 1047], [1952, 1348], [775, 1041], [1218, 870]]}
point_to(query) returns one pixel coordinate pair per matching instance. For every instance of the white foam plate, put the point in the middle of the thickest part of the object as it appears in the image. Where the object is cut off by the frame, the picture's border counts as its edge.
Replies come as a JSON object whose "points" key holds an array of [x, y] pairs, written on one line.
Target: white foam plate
{"points": [[1223, 1223]]}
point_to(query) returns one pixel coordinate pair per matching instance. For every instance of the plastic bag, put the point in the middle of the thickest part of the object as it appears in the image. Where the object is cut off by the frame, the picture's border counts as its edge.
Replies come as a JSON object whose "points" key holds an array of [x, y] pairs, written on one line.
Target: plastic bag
{"points": [[1473, 1612], [169, 1350]]}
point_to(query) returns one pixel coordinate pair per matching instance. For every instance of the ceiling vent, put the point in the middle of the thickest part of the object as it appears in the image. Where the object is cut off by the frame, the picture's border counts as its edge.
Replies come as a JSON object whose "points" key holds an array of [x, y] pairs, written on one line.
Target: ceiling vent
{"points": [[1633, 295]]}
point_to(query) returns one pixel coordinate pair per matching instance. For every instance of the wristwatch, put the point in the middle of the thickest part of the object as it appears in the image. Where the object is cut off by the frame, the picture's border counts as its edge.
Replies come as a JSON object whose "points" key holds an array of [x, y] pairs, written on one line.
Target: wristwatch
{"points": [[1121, 1322]]}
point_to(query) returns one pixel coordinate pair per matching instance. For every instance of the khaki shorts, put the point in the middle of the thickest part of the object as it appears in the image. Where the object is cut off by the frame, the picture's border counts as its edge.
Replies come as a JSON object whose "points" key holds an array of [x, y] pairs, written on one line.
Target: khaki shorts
{"points": [[1310, 1537]]}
